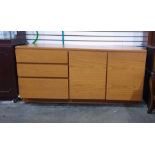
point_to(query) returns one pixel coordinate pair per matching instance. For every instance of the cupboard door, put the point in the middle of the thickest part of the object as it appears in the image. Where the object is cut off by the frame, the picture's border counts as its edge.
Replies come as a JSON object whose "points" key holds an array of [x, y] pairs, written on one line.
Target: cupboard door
{"points": [[87, 74], [125, 75]]}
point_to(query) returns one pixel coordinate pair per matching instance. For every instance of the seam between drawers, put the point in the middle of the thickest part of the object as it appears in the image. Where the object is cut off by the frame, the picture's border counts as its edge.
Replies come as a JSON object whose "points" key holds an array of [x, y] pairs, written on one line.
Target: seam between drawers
{"points": [[26, 77], [37, 63]]}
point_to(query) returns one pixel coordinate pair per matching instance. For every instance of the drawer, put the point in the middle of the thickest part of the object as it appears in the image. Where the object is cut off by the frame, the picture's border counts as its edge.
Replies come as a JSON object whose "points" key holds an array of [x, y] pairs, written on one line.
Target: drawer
{"points": [[41, 56], [34, 88], [42, 70]]}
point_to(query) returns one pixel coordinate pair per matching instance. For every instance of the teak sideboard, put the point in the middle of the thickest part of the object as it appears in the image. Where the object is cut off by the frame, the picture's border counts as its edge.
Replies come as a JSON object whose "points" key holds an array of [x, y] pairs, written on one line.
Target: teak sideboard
{"points": [[80, 73]]}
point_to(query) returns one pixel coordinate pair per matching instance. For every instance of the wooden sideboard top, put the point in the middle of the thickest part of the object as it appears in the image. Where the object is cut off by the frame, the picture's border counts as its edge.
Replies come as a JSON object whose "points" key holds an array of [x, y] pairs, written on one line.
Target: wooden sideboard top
{"points": [[79, 47]]}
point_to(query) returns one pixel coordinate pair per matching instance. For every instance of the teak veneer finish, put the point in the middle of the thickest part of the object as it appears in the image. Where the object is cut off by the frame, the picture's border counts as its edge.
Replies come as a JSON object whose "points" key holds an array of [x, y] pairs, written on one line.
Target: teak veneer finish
{"points": [[125, 76], [43, 88], [80, 73], [42, 70], [41, 56], [82, 48], [87, 74]]}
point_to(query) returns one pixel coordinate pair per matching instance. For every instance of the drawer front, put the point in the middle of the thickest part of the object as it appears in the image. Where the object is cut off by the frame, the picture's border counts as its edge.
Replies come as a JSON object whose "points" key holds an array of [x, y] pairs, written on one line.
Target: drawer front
{"points": [[42, 70], [34, 88], [41, 56]]}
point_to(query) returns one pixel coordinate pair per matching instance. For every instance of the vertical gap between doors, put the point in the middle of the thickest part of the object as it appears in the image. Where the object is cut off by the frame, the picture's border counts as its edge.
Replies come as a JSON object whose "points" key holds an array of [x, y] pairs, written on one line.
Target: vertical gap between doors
{"points": [[68, 78], [106, 80]]}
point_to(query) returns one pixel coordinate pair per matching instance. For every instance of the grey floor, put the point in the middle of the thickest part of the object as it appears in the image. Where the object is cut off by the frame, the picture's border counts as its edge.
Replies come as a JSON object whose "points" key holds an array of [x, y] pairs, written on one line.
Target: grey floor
{"points": [[60, 113]]}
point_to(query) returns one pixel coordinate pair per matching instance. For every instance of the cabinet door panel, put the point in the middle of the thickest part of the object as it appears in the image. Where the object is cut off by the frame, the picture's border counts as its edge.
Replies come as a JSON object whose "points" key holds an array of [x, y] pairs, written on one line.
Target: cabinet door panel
{"points": [[125, 75], [87, 74]]}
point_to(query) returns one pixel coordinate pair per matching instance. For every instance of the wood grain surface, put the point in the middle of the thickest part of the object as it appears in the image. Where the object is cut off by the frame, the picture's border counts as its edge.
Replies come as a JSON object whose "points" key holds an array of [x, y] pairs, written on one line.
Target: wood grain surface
{"points": [[42, 70], [125, 76], [87, 74], [43, 88]]}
